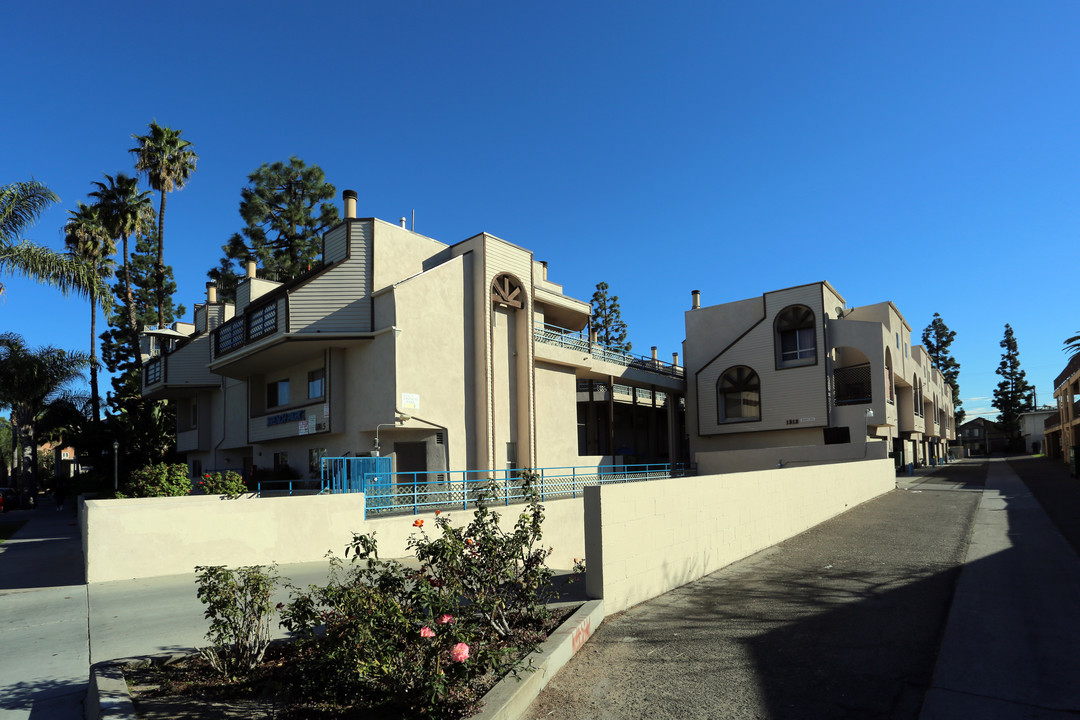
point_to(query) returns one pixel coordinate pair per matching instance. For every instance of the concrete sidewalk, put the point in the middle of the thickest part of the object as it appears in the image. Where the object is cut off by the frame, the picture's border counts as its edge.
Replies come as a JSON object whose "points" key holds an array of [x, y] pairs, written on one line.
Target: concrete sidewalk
{"points": [[1011, 644]]}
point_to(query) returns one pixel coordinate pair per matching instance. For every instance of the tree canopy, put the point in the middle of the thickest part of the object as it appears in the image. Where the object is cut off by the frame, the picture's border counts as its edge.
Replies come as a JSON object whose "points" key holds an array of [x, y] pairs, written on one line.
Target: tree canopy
{"points": [[1013, 395], [167, 161], [21, 204], [937, 338], [607, 320], [286, 209]]}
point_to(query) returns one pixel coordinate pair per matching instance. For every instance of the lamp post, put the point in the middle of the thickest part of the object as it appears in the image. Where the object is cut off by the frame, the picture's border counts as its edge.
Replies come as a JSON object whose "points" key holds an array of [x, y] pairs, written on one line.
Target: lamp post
{"points": [[401, 418], [115, 465]]}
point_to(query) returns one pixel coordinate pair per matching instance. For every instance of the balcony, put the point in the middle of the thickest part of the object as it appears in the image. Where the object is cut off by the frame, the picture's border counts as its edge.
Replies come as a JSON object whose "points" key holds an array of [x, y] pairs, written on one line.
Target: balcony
{"points": [[852, 385], [181, 372], [578, 342], [246, 329]]}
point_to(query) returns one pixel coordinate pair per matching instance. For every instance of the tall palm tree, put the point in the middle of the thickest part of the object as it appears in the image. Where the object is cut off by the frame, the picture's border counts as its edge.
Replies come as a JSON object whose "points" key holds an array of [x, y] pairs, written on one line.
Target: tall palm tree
{"points": [[1072, 346], [168, 161], [86, 237], [21, 204], [29, 381], [125, 211]]}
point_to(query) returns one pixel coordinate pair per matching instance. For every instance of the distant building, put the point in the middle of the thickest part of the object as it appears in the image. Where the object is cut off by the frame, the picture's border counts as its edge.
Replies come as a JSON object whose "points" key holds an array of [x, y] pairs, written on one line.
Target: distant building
{"points": [[982, 437], [1033, 426], [794, 376]]}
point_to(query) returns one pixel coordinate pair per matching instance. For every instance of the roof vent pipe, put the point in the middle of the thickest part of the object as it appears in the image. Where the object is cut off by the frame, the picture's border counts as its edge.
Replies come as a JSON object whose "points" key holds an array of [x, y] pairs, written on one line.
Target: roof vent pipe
{"points": [[654, 358], [696, 294], [675, 359], [250, 267], [543, 264], [211, 293], [404, 222], [349, 196]]}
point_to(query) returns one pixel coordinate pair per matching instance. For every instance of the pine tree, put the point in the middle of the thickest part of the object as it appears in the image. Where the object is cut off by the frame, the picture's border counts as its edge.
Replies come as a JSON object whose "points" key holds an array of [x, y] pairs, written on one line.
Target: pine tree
{"points": [[144, 427], [607, 320], [1013, 395], [937, 338], [286, 209]]}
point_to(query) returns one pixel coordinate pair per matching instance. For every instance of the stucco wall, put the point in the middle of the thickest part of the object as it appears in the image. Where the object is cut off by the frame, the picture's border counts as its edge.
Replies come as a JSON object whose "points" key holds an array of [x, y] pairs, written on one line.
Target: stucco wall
{"points": [[147, 537], [643, 539]]}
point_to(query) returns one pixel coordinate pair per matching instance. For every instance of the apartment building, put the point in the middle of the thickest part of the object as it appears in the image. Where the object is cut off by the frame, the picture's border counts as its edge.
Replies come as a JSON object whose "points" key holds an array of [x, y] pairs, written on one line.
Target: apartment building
{"points": [[1063, 428], [444, 357], [795, 376]]}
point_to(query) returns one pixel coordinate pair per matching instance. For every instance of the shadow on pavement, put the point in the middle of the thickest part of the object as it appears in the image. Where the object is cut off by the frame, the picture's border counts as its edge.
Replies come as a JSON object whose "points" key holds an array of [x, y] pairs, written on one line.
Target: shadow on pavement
{"points": [[1056, 490], [45, 552], [38, 694]]}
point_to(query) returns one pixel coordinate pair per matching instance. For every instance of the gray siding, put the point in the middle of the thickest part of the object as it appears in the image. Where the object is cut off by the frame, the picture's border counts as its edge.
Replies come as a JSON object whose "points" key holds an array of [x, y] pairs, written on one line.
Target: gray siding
{"points": [[338, 300], [336, 244]]}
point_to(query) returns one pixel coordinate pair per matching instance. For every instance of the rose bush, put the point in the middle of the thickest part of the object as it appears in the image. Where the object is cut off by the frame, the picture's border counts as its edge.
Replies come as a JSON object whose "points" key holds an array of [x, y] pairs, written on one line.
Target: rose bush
{"points": [[426, 642]]}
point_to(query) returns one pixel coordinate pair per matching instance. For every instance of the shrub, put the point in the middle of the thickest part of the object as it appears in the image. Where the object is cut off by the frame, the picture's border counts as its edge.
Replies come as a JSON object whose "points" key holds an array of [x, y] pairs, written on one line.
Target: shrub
{"points": [[161, 480], [427, 642], [230, 484], [239, 610]]}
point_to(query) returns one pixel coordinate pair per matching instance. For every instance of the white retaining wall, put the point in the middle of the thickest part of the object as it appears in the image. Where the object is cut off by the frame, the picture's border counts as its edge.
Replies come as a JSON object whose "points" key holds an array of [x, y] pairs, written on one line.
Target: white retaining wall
{"points": [[643, 539], [146, 537]]}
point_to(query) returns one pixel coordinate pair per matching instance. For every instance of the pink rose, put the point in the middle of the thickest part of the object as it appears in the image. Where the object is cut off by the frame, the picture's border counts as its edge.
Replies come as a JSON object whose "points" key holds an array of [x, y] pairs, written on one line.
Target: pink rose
{"points": [[459, 653], [445, 619], [426, 632]]}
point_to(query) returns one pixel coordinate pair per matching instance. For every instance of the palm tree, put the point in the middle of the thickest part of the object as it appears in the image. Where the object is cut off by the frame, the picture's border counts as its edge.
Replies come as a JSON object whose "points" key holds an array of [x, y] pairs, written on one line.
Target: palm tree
{"points": [[86, 237], [125, 211], [21, 204], [1072, 346], [30, 380], [168, 161]]}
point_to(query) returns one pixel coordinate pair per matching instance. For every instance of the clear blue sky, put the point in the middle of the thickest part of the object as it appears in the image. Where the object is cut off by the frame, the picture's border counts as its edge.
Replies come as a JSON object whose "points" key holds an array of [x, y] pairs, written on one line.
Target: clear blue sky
{"points": [[921, 152]]}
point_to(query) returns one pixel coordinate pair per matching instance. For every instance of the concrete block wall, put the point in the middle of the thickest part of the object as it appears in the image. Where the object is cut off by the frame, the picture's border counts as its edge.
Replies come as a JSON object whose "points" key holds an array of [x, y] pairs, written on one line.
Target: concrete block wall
{"points": [[643, 539], [147, 537]]}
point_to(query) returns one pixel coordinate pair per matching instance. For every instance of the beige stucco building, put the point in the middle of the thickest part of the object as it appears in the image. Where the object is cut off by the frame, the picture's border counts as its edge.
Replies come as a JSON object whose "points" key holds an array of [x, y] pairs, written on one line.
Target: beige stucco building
{"points": [[1063, 428], [455, 357], [795, 376]]}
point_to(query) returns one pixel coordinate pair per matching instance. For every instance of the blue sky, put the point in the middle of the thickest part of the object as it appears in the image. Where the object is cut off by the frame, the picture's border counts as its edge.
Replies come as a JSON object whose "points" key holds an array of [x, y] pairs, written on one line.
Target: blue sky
{"points": [[920, 152]]}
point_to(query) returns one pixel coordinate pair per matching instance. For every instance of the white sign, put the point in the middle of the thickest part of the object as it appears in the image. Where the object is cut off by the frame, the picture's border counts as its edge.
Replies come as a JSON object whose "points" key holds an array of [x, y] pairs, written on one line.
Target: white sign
{"points": [[301, 427], [326, 410], [410, 401]]}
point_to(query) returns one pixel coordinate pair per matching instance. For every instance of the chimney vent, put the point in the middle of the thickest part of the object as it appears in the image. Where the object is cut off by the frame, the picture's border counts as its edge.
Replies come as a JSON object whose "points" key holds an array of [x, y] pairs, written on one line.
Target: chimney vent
{"points": [[404, 221], [211, 293], [696, 294], [250, 266], [349, 196], [654, 353], [675, 359]]}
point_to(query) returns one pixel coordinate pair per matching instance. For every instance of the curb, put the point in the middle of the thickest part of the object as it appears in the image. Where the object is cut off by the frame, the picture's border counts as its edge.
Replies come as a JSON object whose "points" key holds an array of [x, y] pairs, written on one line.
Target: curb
{"points": [[107, 696], [511, 697]]}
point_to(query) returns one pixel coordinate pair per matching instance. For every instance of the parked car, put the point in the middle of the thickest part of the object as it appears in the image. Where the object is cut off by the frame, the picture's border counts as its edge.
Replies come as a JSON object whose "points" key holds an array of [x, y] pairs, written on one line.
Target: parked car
{"points": [[10, 499]]}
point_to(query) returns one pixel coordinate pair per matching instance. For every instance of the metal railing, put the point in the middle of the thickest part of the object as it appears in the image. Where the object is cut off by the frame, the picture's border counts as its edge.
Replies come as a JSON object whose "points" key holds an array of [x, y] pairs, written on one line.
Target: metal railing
{"points": [[852, 385], [389, 493], [277, 488], [578, 340]]}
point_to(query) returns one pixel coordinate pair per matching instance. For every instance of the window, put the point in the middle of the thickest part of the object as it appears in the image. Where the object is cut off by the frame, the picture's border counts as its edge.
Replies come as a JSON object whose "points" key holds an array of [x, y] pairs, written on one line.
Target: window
{"points": [[316, 383], [277, 393], [795, 337], [281, 459], [738, 395]]}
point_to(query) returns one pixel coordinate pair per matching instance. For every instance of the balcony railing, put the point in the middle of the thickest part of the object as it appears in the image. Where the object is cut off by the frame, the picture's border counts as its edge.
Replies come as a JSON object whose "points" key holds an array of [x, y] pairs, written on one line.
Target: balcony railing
{"points": [[413, 492], [852, 385], [247, 328], [153, 371], [578, 340]]}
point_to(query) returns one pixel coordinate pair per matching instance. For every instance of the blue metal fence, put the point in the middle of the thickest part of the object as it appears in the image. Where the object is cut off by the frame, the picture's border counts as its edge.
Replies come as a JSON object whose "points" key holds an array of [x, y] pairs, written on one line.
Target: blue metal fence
{"points": [[410, 492]]}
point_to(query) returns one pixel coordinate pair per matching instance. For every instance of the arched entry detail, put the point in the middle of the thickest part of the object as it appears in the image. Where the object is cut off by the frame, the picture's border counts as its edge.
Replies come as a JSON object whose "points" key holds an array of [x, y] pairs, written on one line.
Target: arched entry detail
{"points": [[510, 331]]}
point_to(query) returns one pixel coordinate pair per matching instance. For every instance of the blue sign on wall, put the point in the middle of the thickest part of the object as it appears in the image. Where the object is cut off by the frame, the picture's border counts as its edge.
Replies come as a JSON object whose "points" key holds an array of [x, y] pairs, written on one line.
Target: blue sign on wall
{"points": [[284, 418]]}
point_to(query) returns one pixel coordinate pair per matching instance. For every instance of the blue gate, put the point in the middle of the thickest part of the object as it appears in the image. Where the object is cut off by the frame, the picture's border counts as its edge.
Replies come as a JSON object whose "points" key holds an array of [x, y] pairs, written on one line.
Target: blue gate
{"points": [[369, 475]]}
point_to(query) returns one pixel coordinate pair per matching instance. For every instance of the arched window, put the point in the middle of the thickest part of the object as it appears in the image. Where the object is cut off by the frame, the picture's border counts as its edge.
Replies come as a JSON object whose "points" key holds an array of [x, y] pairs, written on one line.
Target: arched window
{"points": [[738, 395], [796, 338]]}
